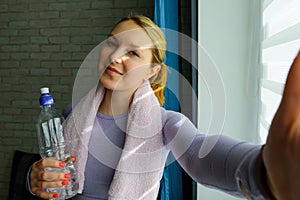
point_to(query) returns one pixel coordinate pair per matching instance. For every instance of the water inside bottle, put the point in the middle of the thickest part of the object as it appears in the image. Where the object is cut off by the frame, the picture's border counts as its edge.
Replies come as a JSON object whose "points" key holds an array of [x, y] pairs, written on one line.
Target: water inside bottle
{"points": [[52, 145]]}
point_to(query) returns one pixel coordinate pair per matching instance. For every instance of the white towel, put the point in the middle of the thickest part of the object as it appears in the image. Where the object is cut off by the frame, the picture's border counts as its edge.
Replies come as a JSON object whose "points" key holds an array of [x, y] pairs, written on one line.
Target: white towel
{"points": [[142, 161]]}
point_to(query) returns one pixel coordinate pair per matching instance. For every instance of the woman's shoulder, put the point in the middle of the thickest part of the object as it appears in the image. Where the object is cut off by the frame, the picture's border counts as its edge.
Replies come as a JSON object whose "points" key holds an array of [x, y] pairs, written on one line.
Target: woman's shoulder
{"points": [[170, 112], [170, 116]]}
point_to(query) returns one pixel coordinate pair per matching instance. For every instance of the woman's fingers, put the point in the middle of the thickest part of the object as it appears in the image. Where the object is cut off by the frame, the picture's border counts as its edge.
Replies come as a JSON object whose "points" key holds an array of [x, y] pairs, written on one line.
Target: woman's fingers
{"points": [[45, 195], [52, 176], [48, 180], [49, 184], [48, 163], [46, 174], [40, 170], [73, 158], [44, 180]]}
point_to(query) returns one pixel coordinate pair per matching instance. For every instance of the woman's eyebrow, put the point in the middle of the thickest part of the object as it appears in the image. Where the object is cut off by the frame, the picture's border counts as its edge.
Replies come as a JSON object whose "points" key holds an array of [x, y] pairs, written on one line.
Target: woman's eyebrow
{"points": [[111, 35], [132, 45]]}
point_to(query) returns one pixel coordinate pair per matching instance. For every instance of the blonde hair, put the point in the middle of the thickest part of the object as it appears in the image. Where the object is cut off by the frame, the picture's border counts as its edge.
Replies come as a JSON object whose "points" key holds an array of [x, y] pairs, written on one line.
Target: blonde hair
{"points": [[159, 80]]}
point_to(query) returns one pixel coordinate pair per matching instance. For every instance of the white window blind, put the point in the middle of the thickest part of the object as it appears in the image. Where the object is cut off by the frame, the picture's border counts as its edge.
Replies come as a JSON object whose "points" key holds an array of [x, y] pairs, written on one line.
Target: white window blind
{"points": [[280, 44]]}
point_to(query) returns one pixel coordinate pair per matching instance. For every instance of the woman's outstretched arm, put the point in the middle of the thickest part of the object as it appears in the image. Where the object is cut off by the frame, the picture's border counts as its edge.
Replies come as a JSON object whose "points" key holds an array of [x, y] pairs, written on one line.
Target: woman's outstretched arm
{"points": [[216, 161]]}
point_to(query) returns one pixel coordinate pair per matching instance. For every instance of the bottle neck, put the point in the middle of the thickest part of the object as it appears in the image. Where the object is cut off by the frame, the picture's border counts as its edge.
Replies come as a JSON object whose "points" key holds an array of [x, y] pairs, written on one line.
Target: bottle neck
{"points": [[47, 107]]}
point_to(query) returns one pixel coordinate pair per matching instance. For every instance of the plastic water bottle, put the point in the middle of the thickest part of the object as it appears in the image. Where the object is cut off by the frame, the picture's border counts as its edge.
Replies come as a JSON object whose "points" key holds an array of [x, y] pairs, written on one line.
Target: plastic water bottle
{"points": [[52, 144]]}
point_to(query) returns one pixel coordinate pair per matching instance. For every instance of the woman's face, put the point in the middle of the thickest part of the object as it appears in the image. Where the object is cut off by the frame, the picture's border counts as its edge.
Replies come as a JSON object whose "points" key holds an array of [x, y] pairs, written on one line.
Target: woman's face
{"points": [[125, 58]]}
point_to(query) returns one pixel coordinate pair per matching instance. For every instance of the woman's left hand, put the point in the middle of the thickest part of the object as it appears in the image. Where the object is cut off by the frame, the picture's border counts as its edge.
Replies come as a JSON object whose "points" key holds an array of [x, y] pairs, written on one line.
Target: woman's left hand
{"points": [[281, 154]]}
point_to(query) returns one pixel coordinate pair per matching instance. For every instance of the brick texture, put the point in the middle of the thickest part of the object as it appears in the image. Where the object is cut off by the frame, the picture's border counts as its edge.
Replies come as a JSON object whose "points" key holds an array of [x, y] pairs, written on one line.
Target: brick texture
{"points": [[42, 43]]}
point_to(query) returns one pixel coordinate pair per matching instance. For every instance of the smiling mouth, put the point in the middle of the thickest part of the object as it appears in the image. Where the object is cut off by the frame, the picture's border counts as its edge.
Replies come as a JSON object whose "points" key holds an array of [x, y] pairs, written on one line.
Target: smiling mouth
{"points": [[113, 70]]}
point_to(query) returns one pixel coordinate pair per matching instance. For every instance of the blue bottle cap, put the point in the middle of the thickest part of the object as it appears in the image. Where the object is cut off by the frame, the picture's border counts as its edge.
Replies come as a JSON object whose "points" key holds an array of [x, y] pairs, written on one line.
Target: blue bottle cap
{"points": [[46, 98]]}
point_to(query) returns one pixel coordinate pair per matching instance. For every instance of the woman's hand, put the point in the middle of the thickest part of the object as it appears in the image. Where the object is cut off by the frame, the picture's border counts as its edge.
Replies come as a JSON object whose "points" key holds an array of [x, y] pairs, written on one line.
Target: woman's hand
{"points": [[41, 179], [281, 154]]}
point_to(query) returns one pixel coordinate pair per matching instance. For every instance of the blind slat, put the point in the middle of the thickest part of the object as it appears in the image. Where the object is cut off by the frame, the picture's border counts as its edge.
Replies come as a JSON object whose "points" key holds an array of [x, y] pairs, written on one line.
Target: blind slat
{"points": [[264, 123], [275, 87], [282, 53], [279, 45], [276, 71], [289, 34], [266, 3], [280, 15]]}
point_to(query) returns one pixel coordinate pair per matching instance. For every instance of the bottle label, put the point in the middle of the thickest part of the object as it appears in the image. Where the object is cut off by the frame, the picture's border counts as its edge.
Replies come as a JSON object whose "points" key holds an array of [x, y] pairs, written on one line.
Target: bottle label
{"points": [[53, 134]]}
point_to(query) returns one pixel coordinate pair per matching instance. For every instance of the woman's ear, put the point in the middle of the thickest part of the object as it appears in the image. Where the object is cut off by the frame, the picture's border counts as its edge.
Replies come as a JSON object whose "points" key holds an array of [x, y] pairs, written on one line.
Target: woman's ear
{"points": [[153, 71]]}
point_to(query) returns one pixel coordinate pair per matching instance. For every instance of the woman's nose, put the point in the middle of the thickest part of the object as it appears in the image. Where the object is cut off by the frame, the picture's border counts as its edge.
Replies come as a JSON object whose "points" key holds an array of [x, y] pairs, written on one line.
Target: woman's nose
{"points": [[118, 60], [116, 56]]}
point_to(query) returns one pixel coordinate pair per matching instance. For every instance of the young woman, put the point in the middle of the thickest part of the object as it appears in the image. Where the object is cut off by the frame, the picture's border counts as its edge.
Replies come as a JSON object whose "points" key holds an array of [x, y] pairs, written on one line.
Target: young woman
{"points": [[121, 136]]}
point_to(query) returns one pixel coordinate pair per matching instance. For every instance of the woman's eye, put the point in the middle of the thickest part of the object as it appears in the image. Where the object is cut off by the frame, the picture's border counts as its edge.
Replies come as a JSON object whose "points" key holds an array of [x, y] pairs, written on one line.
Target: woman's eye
{"points": [[111, 43], [133, 53]]}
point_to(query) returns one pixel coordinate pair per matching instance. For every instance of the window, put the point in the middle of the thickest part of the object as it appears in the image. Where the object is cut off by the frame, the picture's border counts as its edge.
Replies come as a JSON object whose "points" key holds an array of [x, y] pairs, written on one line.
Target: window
{"points": [[280, 44]]}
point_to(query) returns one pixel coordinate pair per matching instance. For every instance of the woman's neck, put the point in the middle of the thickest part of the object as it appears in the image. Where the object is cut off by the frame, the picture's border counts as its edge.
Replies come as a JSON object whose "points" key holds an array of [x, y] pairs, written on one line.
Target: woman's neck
{"points": [[115, 103]]}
